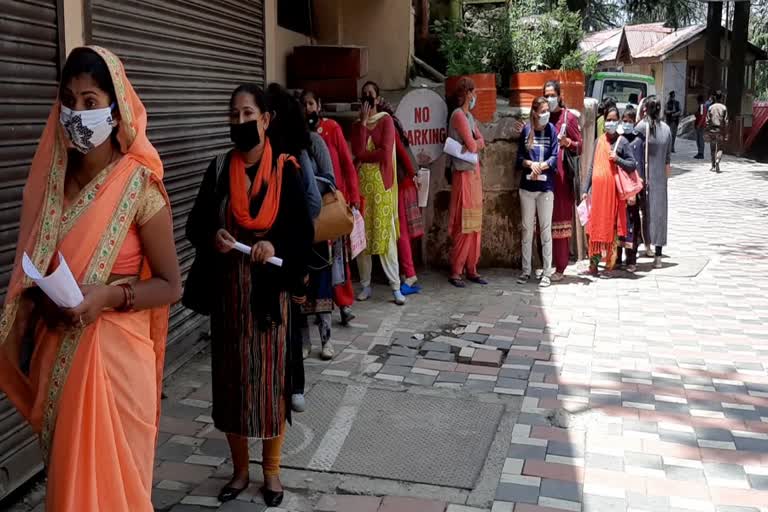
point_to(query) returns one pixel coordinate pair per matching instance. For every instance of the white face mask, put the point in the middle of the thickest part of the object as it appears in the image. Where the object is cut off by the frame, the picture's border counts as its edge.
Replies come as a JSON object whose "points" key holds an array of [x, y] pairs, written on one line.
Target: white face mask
{"points": [[543, 119], [554, 102], [87, 129], [611, 127]]}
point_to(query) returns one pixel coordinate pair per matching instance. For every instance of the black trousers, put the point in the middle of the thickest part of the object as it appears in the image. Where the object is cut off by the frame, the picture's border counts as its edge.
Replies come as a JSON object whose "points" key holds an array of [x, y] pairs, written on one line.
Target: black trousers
{"points": [[298, 320]]}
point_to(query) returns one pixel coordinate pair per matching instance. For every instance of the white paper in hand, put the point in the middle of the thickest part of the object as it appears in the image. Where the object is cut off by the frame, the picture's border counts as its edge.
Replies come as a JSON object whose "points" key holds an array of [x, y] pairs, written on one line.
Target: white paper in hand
{"points": [[453, 148], [60, 286], [247, 251]]}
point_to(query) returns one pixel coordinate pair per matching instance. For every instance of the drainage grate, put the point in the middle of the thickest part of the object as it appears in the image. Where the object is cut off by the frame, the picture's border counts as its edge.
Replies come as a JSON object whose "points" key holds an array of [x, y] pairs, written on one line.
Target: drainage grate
{"points": [[393, 435]]}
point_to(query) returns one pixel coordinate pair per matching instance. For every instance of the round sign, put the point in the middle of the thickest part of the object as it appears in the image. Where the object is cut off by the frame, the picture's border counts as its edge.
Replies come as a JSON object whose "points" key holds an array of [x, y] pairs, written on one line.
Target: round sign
{"points": [[424, 116]]}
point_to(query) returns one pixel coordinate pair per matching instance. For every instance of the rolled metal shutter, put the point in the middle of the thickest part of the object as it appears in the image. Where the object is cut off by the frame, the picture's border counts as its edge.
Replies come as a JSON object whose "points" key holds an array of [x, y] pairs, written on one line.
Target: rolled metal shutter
{"points": [[29, 71], [184, 58]]}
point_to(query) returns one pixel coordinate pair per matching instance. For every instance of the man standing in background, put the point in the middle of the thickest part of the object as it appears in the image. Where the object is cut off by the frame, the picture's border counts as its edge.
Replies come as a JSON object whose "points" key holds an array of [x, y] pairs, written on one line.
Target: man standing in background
{"points": [[717, 129], [673, 112], [700, 125]]}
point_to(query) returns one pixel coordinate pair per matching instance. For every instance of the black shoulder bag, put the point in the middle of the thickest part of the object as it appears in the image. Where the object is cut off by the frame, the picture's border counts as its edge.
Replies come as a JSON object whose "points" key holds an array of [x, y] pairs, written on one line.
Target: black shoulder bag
{"points": [[200, 280]]}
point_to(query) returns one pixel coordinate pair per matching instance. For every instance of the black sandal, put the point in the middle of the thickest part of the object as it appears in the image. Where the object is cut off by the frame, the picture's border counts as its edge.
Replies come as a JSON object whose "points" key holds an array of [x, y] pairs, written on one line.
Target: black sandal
{"points": [[229, 493], [458, 283], [272, 498]]}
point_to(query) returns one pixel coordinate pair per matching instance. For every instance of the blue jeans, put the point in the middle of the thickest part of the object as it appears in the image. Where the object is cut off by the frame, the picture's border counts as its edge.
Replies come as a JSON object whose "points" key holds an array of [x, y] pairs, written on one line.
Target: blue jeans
{"points": [[700, 141]]}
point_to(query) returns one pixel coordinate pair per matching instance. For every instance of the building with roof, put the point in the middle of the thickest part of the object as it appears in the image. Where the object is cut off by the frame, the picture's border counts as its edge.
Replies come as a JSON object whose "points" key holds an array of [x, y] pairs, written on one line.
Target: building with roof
{"points": [[675, 58]]}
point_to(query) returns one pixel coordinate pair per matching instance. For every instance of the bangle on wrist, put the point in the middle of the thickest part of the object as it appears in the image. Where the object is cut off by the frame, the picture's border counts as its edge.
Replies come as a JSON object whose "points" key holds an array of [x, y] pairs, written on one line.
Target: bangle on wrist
{"points": [[129, 297]]}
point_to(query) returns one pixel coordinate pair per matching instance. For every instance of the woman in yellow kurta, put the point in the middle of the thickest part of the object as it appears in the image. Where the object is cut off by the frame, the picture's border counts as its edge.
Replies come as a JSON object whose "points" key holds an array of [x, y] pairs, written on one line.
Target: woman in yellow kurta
{"points": [[88, 379], [373, 146]]}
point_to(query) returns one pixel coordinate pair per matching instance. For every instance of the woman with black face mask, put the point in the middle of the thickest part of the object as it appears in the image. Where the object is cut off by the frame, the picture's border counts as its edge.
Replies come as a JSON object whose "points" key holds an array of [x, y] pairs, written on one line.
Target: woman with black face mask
{"points": [[348, 184], [253, 195]]}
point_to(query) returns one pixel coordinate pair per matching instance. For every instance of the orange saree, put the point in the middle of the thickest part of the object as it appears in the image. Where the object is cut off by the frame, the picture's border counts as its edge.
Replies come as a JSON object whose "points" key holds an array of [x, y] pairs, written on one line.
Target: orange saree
{"points": [[92, 393], [608, 218]]}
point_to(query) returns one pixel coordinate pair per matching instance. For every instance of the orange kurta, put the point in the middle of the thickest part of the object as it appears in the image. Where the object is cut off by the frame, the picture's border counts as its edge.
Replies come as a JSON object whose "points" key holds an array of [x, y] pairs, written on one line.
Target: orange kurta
{"points": [[91, 393]]}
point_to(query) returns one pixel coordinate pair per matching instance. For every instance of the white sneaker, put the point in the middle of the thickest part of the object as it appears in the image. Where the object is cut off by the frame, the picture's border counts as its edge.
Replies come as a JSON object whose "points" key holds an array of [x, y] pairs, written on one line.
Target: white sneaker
{"points": [[298, 403], [399, 297], [364, 294], [306, 350], [545, 282], [326, 354], [657, 262], [523, 279]]}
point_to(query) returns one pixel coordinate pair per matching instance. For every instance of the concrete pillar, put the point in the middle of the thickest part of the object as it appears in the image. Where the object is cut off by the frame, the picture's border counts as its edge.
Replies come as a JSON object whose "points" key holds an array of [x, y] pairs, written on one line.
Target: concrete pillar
{"points": [[74, 24]]}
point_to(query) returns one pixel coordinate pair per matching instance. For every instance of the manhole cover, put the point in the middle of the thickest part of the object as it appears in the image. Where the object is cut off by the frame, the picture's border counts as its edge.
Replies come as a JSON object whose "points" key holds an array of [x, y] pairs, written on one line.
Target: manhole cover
{"points": [[393, 435]]}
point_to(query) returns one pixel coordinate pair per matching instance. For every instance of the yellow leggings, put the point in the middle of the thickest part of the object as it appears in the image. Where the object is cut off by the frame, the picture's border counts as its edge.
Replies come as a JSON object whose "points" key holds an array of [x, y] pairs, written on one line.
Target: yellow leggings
{"points": [[270, 452]]}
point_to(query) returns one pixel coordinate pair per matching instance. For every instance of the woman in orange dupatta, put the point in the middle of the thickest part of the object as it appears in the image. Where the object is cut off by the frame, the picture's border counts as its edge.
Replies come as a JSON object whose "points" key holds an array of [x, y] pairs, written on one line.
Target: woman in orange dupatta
{"points": [[88, 379], [608, 216]]}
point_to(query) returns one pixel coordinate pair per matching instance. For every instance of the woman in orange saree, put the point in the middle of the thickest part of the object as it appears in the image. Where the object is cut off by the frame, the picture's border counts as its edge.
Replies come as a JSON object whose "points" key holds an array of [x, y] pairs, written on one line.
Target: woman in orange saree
{"points": [[88, 379]]}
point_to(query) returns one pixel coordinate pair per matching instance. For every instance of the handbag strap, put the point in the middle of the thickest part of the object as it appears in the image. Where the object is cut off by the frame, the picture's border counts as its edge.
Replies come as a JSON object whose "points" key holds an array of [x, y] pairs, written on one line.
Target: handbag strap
{"points": [[220, 165], [327, 182]]}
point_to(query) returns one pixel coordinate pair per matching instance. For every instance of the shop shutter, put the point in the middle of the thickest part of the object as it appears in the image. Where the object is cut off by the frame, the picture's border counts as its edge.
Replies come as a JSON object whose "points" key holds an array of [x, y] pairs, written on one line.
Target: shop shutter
{"points": [[29, 68], [184, 58]]}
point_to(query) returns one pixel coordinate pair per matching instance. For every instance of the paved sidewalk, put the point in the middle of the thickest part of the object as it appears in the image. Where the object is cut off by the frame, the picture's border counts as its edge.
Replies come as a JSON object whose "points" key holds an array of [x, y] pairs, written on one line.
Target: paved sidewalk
{"points": [[647, 393]]}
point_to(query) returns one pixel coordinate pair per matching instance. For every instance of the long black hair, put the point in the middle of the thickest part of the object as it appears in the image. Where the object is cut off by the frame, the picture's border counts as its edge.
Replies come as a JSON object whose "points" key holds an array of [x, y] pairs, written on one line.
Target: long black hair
{"points": [[288, 131], [555, 84], [652, 107], [255, 91], [85, 61]]}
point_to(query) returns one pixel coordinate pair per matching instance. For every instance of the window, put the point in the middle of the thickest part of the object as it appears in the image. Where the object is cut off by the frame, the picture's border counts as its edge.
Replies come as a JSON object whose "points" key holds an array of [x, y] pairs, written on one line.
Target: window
{"points": [[295, 15], [694, 77], [749, 77], [624, 91]]}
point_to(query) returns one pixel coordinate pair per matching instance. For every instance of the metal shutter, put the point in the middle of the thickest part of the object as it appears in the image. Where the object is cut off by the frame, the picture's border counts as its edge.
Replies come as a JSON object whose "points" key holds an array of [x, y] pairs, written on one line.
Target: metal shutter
{"points": [[184, 57], [29, 68]]}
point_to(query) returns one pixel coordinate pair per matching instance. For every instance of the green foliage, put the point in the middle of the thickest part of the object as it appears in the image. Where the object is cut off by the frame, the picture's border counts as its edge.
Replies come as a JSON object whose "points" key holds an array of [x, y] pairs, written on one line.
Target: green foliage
{"points": [[474, 45], [589, 66], [541, 38], [758, 35]]}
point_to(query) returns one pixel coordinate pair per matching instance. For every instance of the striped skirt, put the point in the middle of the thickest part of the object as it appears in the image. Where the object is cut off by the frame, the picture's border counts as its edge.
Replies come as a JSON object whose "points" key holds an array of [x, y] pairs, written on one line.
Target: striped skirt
{"points": [[248, 365]]}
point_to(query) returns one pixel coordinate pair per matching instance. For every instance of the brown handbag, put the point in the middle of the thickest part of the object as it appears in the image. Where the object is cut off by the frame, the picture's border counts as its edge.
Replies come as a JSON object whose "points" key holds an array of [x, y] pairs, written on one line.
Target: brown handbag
{"points": [[336, 219]]}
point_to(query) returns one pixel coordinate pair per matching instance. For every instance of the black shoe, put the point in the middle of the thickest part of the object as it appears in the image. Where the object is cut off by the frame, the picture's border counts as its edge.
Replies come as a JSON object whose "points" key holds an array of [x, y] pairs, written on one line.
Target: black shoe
{"points": [[477, 280], [699, 157], [346, 316], [272, 498], [229, 493]]}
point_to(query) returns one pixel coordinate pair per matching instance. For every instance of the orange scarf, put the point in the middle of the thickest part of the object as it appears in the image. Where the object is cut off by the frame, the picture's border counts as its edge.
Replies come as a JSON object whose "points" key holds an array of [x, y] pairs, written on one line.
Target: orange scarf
{"points": [[608, 217], [266, 176]]}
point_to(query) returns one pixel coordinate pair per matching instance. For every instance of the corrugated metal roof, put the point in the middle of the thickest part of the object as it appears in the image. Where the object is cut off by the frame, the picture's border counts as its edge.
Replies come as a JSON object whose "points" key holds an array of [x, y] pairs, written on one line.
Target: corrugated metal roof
{"points": [[605, 44], [642, 37], [671, 42]]}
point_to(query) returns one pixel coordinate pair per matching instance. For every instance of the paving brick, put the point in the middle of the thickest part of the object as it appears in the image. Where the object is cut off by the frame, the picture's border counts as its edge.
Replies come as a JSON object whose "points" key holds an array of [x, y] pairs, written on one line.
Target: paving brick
{"points": [[517, 493], [403, 352], [189, 473], [465, 355], [561, 489], [475, 338], [397, 504], [402, 371], [164, 499], [487, 358], [400, 361], [432, 346], [407, 341], [420, 380], [440, 356], [452, 377], [524, 451], [348, 504]]}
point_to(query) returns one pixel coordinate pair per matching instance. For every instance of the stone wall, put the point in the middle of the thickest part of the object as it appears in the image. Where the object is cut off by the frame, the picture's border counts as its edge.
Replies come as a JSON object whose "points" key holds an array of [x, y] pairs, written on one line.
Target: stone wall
{"points": [[501, 218]]}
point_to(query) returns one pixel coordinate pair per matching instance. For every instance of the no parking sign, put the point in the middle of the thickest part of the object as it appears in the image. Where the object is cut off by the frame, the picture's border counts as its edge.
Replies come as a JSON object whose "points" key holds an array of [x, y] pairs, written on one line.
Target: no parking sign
{"points": [[424, 116]]}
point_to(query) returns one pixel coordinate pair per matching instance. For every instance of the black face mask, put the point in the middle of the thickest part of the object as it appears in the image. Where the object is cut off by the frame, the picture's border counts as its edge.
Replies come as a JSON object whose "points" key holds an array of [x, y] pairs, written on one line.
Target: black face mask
{"points": [[245, 136], [313, 120], [369, 100]]}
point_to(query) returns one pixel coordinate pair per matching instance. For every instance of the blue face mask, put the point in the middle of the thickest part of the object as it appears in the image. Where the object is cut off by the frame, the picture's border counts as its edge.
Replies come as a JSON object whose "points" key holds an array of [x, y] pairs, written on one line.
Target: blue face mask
{"points": [[472, 102], [629, 128], [611, 127]]}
